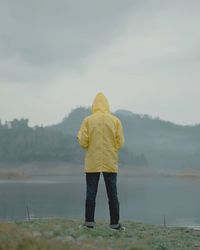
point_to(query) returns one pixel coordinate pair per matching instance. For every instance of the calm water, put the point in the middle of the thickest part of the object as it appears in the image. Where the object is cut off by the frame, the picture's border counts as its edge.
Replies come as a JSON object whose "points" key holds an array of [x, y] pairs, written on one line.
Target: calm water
{"points": [[145, 199]]}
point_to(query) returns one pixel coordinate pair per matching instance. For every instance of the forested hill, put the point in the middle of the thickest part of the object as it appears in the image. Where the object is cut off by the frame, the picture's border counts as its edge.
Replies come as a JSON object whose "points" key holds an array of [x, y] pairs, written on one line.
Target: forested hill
{"points": [[160, 143], [149, 141], [20, 143]]}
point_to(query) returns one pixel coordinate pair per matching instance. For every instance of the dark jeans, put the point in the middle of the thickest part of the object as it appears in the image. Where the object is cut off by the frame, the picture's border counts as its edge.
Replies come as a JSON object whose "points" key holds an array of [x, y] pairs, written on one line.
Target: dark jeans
{"points": [[92, 180]]}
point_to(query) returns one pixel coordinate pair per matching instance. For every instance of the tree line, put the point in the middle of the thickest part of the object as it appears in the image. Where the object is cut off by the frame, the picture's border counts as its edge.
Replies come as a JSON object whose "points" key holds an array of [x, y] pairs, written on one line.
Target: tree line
{"points": [[20, 143]]}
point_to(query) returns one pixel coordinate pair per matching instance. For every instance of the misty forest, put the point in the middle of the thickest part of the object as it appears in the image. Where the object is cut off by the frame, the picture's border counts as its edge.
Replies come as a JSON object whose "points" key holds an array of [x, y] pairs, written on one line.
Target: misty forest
{"points": [[148, 142]]}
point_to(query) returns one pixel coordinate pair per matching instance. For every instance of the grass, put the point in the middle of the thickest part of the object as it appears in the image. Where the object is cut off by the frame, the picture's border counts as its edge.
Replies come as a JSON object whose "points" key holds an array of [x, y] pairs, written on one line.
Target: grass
{"points": [[60, 234]]}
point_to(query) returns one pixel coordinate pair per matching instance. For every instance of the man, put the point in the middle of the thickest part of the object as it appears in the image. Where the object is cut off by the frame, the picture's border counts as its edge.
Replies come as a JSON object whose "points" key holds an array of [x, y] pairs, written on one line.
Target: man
{"points": [[101, 134]]}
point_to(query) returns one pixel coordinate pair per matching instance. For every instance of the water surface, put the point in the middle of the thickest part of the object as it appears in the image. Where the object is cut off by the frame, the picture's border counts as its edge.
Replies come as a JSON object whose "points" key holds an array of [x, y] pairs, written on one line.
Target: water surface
{"points": [[145, 199]]}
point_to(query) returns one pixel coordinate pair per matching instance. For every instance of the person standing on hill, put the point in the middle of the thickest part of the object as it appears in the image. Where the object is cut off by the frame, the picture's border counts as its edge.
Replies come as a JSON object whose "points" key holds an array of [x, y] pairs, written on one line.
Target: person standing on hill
{"points": [[101, 135]]}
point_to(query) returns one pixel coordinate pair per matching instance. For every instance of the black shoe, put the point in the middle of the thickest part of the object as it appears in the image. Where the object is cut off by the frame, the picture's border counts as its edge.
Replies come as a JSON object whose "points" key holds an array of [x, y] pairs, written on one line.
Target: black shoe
{"points": [[82, 226], [118, 227]]}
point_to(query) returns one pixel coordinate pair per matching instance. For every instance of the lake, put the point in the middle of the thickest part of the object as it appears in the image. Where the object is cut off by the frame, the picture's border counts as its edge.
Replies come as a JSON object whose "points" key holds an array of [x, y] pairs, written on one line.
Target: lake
{"points": [[145, 199]]}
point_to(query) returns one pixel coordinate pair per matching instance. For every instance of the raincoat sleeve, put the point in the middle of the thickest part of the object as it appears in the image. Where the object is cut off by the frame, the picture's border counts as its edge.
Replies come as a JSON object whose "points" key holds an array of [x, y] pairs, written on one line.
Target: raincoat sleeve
{"points": [[119, 135], [82, 135]]}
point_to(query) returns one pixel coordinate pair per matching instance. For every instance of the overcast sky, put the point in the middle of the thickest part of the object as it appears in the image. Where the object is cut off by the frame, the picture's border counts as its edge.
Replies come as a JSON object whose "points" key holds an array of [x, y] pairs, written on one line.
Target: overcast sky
{"points": [[55, 55]]}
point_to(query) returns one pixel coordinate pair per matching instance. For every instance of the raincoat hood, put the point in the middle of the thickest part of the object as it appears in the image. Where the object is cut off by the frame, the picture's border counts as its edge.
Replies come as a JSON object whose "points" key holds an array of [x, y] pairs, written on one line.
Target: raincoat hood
{"points": [[100, 103]]}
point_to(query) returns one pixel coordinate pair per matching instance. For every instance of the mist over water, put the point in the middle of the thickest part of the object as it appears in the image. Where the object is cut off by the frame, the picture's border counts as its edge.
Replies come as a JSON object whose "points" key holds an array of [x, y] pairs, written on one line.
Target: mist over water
{"points": [[145, 199]]}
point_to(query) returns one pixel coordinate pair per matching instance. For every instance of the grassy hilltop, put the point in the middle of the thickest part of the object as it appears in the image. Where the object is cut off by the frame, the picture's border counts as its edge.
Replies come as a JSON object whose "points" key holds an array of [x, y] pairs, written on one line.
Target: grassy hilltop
{"points": [[60, 234]]}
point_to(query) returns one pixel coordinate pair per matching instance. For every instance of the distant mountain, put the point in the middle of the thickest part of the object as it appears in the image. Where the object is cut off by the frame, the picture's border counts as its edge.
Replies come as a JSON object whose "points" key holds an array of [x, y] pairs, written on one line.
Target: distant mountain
{"points": [[165, 144], [161, 143]]}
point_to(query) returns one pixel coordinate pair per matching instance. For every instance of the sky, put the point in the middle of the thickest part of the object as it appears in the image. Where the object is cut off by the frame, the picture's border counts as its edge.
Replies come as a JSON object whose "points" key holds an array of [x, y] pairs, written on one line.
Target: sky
{"points": [[144, 55]]}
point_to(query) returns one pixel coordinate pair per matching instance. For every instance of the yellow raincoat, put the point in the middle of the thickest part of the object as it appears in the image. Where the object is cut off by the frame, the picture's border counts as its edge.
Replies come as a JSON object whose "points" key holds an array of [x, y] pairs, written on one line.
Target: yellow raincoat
{"points": [[101, 134]]}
